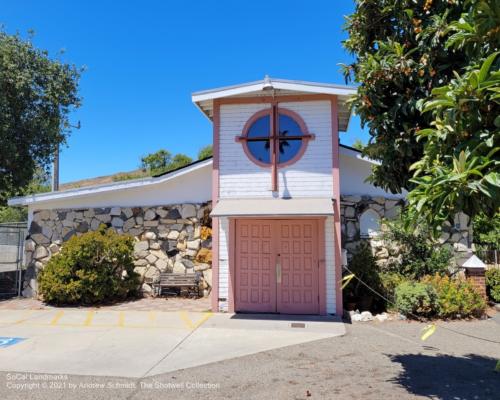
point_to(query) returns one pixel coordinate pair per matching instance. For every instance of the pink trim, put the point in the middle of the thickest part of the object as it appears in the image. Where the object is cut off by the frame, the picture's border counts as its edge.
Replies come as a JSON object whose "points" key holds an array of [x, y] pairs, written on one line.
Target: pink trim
{"points": [[247, 126], [232, 263], [275, 99], [273, 149], [296, 117], [336, 206], [215, 198]]}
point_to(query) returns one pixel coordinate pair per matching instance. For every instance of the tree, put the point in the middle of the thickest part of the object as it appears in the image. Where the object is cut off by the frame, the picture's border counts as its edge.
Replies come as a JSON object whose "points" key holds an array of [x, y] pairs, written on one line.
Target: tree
{"points": [[180, 160], [37, 94], [400, 56], [157, 161], [460, 167], [162, 161], [205, 152], [39, 184], [429, 94], [358, 144]]}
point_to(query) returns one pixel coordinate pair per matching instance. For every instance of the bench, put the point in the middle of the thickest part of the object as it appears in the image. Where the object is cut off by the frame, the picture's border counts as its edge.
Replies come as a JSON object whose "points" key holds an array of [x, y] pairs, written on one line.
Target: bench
{"points": [[173, 283]]}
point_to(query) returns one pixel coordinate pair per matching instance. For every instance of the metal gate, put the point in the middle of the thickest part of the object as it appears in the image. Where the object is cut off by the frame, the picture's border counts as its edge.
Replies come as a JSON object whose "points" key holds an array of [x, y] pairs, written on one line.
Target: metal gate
{"points": [[12, 237]]}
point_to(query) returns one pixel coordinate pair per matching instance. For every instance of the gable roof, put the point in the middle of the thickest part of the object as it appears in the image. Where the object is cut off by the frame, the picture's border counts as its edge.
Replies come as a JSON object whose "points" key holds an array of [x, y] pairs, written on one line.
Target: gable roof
{"points": [[278, 87]]}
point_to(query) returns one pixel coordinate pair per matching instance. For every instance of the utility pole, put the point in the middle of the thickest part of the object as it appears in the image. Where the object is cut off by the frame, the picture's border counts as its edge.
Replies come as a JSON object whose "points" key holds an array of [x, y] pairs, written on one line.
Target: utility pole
{"points": [[55, 171]]}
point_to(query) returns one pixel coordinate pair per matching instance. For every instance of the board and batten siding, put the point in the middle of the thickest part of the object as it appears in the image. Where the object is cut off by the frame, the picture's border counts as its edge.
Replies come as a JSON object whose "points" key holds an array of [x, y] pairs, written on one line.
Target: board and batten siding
{"points": [[310, 176], [223, 263], [329, 265], [331, 279]]}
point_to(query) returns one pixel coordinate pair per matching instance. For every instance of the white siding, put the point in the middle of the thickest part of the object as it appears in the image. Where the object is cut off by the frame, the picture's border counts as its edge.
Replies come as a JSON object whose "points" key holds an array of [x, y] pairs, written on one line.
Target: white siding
{"points": [[311, 176], [331, 279], [353, 173], [194, 187], [223, 262]]}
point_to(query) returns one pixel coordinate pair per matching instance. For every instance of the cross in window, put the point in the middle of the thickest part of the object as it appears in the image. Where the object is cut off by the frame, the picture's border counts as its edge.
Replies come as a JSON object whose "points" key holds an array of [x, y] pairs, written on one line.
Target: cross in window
{"points": [[277, 139]]}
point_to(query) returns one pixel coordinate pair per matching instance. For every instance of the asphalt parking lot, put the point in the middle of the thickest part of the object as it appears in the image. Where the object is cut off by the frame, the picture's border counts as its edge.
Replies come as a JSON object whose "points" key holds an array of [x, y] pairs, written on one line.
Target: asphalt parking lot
{"points": [[372, 361]]}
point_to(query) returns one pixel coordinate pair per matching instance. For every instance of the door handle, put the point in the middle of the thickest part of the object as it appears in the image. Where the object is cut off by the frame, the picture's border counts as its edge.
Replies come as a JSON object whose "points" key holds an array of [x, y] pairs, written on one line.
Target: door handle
{"points": [[278, 269]]}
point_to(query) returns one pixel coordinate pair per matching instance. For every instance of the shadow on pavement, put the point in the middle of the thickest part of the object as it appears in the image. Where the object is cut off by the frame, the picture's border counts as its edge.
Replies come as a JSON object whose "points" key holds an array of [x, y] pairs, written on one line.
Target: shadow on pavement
{"points": [[448, 377]]}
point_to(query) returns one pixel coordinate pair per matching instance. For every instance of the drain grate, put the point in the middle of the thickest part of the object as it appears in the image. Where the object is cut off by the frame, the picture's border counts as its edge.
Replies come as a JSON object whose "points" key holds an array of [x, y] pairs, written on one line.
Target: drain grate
{"points": [[298, 325]]}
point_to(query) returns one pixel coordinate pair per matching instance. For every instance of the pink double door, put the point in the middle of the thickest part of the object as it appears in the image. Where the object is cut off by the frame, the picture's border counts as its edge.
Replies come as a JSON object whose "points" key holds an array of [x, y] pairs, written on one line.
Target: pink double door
{"points": [[276, 266]]}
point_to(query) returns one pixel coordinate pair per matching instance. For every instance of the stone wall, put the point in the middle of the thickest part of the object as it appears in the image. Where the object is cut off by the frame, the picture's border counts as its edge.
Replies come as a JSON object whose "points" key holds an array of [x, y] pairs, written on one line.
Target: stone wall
{"points": [[175, 238], [459, 235], [351, 209]]}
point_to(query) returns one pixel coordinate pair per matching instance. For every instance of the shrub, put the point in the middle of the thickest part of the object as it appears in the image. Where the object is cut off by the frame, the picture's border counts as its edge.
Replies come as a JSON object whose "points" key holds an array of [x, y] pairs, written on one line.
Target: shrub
{"points": [[493, 284], [364, 266], [418, 254], [390, 281], [415, 298], [92, 268], [487, 231], [456, 297]]}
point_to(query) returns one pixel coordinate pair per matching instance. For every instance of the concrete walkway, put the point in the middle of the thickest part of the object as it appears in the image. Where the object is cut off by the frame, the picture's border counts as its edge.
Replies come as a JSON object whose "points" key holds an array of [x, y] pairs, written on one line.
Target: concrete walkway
{"points": [[136, 344]]}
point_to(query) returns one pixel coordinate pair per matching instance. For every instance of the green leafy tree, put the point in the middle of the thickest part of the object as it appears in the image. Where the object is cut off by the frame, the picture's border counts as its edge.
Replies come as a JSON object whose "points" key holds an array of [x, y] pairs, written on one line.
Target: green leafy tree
{"points": [[179, 160], [162, 161], [205, 152], [400, 56], [37, 94], [157, 161], [487, 231], [460, 167], [358, 144], [39, 184], [429, 94]]}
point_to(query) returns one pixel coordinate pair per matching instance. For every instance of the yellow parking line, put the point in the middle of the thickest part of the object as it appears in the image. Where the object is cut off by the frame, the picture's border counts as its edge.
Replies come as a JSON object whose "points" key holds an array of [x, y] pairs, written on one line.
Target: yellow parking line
{"points": [[121, 319], [25, 317], [90, 317], [202, 320], [189, 323], [152, 317], [56, 318], [186, 320]]}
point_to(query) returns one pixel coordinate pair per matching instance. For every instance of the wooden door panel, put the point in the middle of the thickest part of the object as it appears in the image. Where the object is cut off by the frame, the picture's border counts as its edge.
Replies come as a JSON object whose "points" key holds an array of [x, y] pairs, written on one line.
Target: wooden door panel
{"points": [[255, 286], [297, 243]]}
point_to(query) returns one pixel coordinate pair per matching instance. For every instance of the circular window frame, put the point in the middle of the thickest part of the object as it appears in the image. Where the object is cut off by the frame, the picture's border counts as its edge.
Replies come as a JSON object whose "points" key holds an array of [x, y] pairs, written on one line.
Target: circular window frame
{"points": [[268, 112]]}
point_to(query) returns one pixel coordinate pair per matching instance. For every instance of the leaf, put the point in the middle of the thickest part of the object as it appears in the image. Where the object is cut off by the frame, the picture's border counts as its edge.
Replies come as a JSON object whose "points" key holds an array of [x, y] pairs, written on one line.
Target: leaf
{"points": [[346, 280], [493, 178], [430, 105], [497, 121], [485, 68], [497, 367], [428, 331]]}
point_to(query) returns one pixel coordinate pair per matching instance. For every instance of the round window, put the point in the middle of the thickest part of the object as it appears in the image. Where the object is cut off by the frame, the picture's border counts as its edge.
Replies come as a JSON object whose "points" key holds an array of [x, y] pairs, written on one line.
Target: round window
{"points": [[290, 139]]}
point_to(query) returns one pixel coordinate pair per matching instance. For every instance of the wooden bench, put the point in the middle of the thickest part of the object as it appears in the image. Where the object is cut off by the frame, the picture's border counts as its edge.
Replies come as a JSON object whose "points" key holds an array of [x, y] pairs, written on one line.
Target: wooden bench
{"points": [[172, 284]]}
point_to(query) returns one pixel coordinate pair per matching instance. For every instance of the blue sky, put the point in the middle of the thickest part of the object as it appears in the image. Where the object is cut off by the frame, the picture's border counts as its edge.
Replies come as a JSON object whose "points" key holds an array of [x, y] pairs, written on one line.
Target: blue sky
{"points": [[145, 58]]}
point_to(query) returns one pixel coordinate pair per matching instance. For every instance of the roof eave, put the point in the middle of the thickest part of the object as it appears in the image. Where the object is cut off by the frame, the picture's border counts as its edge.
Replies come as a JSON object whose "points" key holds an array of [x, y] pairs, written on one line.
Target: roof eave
{"points": [[97, 189]]}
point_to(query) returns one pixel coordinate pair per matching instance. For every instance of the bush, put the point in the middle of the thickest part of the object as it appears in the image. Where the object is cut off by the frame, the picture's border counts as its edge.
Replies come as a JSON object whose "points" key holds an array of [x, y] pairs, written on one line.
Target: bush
{"points": [[487, 231], [415, 298], [456, 298], [92, 268], [364, 266], [493, 284], [390, 281], [418, 254]]}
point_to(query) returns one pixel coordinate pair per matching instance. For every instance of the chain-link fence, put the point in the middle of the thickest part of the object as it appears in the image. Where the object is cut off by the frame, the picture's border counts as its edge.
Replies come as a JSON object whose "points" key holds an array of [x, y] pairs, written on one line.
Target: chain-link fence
{"points": [[11, 258]]}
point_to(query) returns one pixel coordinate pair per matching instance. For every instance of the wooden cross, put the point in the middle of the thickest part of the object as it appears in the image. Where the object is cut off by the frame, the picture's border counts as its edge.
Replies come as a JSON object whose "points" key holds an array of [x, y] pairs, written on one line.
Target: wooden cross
{"points": [[274, 140]]}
